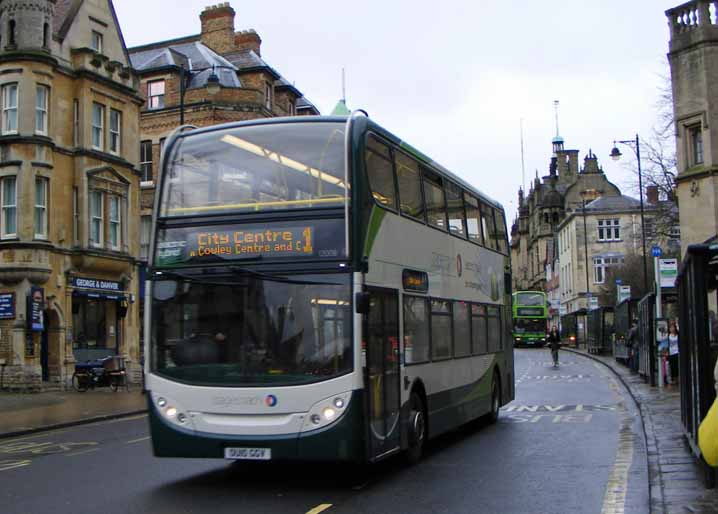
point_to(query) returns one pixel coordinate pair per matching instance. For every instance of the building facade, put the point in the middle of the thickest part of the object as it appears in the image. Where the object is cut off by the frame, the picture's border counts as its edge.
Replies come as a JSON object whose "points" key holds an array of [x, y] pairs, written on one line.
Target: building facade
{"points": [[548, 202], [693, 58], [593, 239], [69, 191]]}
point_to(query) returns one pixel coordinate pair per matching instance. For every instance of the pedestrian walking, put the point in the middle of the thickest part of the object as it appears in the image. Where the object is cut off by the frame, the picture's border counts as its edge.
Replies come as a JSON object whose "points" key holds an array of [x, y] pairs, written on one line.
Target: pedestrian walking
{"points": [[673, 350], [554, 342], [632, 344]]}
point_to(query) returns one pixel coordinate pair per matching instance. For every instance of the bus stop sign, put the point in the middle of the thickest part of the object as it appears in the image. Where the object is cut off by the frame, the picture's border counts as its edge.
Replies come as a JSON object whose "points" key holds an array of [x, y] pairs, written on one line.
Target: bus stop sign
{"points": [[656, 251]]}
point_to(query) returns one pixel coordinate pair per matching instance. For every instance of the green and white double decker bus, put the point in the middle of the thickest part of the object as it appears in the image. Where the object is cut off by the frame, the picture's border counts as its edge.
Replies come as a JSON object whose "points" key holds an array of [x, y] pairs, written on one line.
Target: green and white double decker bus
{"points": [[321, 291], [530, 313]]}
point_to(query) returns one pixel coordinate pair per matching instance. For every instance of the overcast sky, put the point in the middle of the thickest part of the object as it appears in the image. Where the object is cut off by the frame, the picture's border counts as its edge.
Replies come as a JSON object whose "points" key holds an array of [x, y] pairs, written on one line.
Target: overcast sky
{"points": [[455, 77]]}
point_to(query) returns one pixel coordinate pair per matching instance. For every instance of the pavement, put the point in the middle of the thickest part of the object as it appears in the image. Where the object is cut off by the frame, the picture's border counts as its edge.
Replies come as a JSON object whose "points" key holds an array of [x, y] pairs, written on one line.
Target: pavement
{"points": [[676, 479], [27, 413]]}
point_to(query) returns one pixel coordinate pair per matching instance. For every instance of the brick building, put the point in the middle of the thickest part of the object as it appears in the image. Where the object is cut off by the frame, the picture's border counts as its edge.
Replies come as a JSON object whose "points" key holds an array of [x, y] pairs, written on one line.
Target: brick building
{"points": [[69, 184]]}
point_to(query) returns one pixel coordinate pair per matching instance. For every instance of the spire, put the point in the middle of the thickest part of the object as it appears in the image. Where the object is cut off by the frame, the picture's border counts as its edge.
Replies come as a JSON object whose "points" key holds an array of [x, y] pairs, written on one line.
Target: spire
{"points": [[341, 109], [557, 141]]}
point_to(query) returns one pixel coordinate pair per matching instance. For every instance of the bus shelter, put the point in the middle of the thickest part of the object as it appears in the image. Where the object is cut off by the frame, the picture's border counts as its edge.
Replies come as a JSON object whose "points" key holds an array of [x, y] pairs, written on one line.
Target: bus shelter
{"points": [[625, 314], [697, 285], [647, 352], [600, 330], [573, 328]]}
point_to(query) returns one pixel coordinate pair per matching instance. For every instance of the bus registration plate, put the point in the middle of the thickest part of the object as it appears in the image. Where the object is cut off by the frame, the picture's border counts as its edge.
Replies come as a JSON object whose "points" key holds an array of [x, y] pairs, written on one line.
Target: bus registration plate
{"points": [[248, 453]]}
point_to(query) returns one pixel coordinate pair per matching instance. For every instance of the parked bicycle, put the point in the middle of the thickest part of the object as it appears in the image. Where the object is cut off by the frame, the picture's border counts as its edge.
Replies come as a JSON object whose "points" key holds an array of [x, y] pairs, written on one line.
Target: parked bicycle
{"points": [[108, 372]]}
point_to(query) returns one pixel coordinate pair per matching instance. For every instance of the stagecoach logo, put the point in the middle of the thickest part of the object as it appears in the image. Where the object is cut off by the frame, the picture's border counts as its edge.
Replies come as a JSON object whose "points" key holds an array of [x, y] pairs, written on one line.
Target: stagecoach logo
{"points": [[459, 267], [229, 401], [270, 400]]}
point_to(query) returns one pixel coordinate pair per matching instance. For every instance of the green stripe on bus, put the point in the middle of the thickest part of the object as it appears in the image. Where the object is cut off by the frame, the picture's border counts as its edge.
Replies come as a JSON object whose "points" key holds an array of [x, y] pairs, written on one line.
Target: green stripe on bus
{"points": [[375, 220]]}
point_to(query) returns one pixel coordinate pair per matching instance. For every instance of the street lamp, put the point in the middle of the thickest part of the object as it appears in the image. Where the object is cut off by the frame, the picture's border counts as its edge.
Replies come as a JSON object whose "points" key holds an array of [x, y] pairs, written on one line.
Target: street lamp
{"points": [[590, 194], [616, 155], [213, 85]]}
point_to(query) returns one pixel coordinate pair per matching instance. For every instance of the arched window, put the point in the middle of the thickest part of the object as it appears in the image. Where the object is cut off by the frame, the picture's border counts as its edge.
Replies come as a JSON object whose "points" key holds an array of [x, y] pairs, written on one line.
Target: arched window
{"points": [[545, 217], [555, 217], [45, 35], [11, 32]]}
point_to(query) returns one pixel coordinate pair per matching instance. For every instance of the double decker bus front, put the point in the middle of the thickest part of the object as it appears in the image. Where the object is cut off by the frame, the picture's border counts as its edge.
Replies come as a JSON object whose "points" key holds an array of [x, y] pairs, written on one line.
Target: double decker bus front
{"points": [[249, 303], [530, 315]]}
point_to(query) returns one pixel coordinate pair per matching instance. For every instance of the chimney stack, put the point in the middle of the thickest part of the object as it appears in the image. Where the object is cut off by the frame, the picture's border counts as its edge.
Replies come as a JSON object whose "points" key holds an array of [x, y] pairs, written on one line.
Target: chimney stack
{"points": [[652, 195], [218, 27], [248, 40]]}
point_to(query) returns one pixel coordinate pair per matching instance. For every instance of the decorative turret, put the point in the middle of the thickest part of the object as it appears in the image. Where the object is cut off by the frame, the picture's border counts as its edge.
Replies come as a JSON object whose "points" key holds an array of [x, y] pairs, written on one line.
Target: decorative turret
{"points": [[26, 25]]}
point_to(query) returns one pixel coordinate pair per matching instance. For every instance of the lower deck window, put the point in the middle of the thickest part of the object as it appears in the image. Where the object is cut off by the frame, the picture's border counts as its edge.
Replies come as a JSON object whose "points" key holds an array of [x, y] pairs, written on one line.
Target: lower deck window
{"points": [[416, 330], [441, 329]]}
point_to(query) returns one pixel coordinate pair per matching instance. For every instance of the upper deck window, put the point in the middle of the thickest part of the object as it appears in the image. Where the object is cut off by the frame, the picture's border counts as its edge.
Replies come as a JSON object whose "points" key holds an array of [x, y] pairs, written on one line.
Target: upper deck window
{"points": [[256, 168]]}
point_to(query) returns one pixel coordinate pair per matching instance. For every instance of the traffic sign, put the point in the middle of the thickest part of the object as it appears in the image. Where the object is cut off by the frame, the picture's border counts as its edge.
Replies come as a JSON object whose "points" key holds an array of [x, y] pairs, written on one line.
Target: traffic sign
{"points": [[656, 251], [619, 281]]}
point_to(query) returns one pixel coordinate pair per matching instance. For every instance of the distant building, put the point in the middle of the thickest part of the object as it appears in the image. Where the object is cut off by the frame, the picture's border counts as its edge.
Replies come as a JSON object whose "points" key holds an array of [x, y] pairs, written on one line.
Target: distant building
{"points": [[541, 211], [612, 231], [69, 187]]}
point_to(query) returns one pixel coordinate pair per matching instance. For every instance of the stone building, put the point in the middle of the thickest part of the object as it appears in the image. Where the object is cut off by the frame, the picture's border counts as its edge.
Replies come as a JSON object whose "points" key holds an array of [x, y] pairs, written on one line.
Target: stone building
{"points": [[609, 229], [693, 58], [548, 202], [216, 76], [69, 187]]}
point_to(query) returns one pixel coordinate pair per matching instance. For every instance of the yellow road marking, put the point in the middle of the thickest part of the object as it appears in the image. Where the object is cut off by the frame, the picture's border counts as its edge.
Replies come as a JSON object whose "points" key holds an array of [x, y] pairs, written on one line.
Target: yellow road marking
{"points": [[6, 465], [44, 434], [81, 452], [138, 440], [319, 508]]}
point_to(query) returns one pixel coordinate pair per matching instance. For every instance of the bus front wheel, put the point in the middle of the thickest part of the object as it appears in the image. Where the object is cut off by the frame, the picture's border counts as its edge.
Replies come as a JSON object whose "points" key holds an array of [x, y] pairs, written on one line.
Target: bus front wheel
{"points": [[417, 428], [493, 416]]}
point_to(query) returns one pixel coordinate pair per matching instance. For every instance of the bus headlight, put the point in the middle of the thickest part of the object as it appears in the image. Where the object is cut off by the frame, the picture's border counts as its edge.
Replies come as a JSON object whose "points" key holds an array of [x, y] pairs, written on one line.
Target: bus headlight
{"points": [[327, 411], [171, 412]]}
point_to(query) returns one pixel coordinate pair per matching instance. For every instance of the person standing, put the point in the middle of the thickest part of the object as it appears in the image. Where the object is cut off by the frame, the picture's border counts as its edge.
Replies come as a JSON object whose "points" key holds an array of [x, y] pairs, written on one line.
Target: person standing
{"points": [[673, 350], [554, 342]]}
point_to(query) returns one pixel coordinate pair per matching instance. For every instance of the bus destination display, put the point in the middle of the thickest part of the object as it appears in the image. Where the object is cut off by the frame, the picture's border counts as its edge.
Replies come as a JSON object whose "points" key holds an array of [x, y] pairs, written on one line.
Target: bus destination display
{"points": [[529, 311], [242, 241]]}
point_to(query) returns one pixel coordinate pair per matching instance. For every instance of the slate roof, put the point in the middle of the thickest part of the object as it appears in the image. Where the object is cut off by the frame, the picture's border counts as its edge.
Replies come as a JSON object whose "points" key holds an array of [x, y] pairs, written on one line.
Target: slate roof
{"points": [[304, 104], [613, 203], [194, 56]]}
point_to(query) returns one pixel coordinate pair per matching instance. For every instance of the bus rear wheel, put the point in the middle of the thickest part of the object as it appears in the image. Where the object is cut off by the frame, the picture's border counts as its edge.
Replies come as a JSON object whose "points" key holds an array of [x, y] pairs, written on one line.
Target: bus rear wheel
{"points": [[417, 428]]}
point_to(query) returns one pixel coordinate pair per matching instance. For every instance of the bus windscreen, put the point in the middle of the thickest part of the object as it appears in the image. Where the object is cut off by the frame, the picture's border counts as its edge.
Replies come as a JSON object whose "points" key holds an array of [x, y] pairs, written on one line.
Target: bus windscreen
{"points": [[256, 168], [531, 299]]}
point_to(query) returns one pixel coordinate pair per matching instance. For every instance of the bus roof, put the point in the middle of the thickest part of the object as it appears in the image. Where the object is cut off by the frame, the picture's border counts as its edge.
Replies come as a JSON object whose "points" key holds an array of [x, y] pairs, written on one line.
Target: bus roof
{"points": [[371, 124]]}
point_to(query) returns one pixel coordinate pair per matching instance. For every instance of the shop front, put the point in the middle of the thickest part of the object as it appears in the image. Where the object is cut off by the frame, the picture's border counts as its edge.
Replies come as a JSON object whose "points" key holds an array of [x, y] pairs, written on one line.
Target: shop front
{"points": [[99, 308]]}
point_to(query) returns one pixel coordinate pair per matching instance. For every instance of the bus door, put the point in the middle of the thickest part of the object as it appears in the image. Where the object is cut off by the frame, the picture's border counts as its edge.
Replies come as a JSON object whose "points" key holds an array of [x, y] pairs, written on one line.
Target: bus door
{"points": [[381, 330]]}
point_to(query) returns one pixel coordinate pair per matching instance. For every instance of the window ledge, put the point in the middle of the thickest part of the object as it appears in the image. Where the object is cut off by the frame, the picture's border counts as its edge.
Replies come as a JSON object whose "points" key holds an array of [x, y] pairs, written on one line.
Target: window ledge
{"points": [[147, 184]]}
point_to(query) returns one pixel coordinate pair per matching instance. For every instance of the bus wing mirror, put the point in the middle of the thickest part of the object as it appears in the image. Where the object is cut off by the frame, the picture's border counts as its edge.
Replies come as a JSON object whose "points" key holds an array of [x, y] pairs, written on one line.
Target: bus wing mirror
{"points": [[361, 303]]}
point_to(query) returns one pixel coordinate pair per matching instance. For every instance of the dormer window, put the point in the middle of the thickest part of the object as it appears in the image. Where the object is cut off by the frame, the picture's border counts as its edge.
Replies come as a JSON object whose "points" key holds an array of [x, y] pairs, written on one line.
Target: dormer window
{"points": [[96, 41]]}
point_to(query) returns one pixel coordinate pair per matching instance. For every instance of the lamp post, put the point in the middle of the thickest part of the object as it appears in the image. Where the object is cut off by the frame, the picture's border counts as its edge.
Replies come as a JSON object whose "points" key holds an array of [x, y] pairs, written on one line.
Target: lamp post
{"points": [[616, 155], [588, 193], [213, 86]]}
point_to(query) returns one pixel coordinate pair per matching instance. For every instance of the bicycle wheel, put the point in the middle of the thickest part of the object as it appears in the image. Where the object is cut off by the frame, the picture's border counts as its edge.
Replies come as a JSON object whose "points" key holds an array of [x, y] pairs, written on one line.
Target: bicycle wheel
{"points": [[114, 383], [79, 382]]}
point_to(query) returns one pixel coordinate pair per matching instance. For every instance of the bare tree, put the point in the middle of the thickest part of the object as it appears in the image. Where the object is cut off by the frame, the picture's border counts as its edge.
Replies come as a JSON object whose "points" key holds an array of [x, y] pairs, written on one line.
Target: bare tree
{"points": [[630, 273], [659, 165]]}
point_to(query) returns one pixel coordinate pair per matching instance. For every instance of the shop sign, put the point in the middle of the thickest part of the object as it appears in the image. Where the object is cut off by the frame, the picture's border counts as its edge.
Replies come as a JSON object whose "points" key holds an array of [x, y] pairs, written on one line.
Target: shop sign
{"points": [[35, 305], [95, 283], [7, 305]]}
